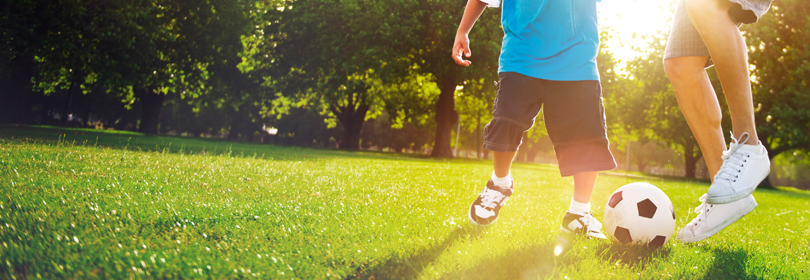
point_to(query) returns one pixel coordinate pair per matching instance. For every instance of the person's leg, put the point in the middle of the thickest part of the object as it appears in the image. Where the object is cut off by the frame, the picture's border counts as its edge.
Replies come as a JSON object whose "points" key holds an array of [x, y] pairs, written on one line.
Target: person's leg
{"points": [[518, 101], [583, 186], [702, 28], [579, 219], [746, 163], [575, 120], [730, 55], [699, 105], [502, 163]]}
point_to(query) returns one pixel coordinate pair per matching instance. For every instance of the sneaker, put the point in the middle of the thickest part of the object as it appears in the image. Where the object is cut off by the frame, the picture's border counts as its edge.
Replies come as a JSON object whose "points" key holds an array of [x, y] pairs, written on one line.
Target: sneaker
{"points": [[744, 167], [581, 224], [484, 211], [712, 218]]}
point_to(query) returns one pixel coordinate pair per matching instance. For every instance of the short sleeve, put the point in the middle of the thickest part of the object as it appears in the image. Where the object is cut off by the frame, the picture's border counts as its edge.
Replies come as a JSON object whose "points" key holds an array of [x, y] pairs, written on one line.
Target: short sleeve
{"points": [[492, 3]]}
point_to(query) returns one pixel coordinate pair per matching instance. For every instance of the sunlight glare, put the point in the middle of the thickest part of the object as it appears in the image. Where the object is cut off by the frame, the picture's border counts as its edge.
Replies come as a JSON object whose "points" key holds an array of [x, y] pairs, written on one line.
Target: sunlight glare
{"points": [[628, 20], [558, 249]]}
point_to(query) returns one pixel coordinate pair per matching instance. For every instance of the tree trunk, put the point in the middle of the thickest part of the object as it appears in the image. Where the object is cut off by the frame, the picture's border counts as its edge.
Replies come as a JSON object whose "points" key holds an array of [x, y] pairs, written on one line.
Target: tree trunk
{"points": [[352, 117], [237, 123], [352, 126], [689, 159], [446, 117], [16, 91], [767, 184], [478, 136], [151, 104], [71, 93], [641, 162], [531, 154]]}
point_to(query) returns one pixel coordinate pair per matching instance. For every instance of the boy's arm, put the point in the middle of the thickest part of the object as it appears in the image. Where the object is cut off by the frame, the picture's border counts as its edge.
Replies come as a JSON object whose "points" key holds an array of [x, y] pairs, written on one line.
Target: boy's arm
{"points": [[462, 43]]}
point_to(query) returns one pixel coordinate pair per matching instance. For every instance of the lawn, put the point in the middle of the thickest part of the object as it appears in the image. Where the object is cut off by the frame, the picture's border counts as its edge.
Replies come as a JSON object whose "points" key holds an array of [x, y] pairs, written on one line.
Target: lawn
{"points": [[102, 204]]}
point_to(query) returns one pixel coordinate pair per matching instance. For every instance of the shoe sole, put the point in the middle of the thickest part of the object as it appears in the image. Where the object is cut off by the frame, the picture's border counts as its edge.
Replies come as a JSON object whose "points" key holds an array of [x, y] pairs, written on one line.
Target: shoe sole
{"points": [[730, 198], [472, 222], [571, 235], [741, 213], [736, 196]]}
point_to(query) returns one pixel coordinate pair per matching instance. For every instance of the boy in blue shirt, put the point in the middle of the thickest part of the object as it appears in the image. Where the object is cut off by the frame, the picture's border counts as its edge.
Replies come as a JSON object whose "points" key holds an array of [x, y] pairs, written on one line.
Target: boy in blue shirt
{"points": [[548, 60]]}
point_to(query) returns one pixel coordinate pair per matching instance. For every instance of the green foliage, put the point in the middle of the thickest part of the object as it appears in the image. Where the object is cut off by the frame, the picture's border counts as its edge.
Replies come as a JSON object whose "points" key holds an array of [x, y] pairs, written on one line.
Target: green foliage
{"points": [[657, 112], [641, 105], [336, 56], [232, 67], [778, 53], [380, 134], [474, 105], [433, 25]]}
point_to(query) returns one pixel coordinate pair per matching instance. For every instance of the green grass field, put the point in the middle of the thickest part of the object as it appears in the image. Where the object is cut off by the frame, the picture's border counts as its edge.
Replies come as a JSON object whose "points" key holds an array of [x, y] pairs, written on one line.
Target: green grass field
{"points": [[98, 204]]}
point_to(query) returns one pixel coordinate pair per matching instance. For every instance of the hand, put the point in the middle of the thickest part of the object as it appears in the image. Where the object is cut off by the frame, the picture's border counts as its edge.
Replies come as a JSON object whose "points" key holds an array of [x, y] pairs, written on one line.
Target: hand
{"points": [[462, 46]]}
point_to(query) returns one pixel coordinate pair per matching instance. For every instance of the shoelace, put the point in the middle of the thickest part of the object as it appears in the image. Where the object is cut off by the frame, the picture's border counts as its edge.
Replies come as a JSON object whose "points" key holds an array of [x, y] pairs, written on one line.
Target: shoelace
{"points": [[591, 224], [732, 160], [490, 198], [700, 210]]}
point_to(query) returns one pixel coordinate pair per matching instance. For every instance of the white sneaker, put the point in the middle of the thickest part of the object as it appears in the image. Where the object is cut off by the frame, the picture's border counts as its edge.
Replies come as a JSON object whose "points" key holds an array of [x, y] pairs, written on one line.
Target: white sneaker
{"points": [[582, 224], [712, 218], [486, 207], [744, 167]]}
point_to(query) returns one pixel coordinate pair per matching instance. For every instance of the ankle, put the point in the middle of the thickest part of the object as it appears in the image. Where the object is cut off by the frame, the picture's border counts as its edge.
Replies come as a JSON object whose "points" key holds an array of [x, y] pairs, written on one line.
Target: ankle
{"points": [[504, 182], [579, 207]]}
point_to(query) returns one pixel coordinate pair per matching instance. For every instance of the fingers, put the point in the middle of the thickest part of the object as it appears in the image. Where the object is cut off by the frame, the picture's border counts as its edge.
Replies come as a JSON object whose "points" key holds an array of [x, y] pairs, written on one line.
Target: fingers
{"points": [[459, 50]]}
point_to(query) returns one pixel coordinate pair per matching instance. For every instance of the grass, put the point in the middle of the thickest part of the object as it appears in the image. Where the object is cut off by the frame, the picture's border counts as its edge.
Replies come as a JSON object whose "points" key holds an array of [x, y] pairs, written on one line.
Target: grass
{"points": [[97, 204]]}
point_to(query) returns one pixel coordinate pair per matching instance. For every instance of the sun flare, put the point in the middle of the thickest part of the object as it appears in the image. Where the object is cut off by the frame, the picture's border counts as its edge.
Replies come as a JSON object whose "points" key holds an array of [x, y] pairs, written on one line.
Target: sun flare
{"points": [[628, 20]]}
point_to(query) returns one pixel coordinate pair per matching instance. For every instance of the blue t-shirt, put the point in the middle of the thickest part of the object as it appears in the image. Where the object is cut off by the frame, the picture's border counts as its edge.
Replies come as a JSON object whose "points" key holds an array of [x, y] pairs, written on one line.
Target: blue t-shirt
{"points": [[550, 39]]}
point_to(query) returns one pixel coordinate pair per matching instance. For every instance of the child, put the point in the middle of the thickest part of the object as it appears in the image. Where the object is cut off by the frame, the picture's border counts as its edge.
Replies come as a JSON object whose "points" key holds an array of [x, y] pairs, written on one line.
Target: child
{"points": [[704, 32], [548, 60]]}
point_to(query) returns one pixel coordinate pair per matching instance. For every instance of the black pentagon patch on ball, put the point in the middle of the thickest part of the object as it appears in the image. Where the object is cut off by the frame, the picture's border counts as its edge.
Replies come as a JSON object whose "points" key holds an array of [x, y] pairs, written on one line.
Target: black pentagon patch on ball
{"points": [[615, 199], [646, 208], [623, 235], [658, 241]]}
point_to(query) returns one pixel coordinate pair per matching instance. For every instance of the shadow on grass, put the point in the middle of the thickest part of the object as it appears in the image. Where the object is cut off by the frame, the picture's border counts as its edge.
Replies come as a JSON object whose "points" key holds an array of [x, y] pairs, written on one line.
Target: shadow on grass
{"points": [[411, 267], [729, 264], [532, 262], [632, 256], [127, 140]]}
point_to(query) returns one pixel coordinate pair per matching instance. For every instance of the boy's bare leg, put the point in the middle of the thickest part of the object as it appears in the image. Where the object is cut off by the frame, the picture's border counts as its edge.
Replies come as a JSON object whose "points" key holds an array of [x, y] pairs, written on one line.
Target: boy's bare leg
{"points": [[730, 55], [699, 105], [583, 186], [502, 162], [486, 207], [579, 219]]}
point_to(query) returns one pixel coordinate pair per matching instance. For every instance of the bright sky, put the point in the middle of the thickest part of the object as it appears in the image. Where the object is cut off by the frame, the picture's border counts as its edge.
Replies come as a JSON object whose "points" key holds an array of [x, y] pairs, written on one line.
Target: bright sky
{"points": [[626, 17]]}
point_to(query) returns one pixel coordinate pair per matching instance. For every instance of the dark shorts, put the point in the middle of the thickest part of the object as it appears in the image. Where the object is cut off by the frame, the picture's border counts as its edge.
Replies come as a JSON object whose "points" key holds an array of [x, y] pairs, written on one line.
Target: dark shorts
{"points": [[572, 112]]}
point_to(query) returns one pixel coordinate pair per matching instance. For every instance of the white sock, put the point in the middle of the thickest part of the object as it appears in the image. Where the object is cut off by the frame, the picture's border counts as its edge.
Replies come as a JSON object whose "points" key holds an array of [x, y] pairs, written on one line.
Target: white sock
{"points": [[504, 182], [579, 207]]}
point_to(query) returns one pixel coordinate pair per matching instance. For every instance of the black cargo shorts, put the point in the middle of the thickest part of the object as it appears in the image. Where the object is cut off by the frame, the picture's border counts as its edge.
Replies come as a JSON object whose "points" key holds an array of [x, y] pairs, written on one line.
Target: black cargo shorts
{"points": [[573, 113]]}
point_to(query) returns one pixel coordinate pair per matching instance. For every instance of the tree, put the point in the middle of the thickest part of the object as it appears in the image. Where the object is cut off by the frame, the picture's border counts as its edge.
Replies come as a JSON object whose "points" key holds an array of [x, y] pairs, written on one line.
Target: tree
{"points": [[32, 34], [779, 53], [430, 27], [475, 109], [339, 56], [328, 58]]}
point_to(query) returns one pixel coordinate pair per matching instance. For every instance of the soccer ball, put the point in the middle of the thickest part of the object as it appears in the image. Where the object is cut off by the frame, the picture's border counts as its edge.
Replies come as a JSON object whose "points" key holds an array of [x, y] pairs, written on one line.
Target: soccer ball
{"points": [[639, 213]]}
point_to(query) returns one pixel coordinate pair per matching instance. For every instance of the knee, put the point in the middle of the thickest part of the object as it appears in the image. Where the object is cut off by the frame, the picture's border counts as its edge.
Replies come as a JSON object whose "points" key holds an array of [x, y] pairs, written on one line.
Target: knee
{"points": [[677, 69]]}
